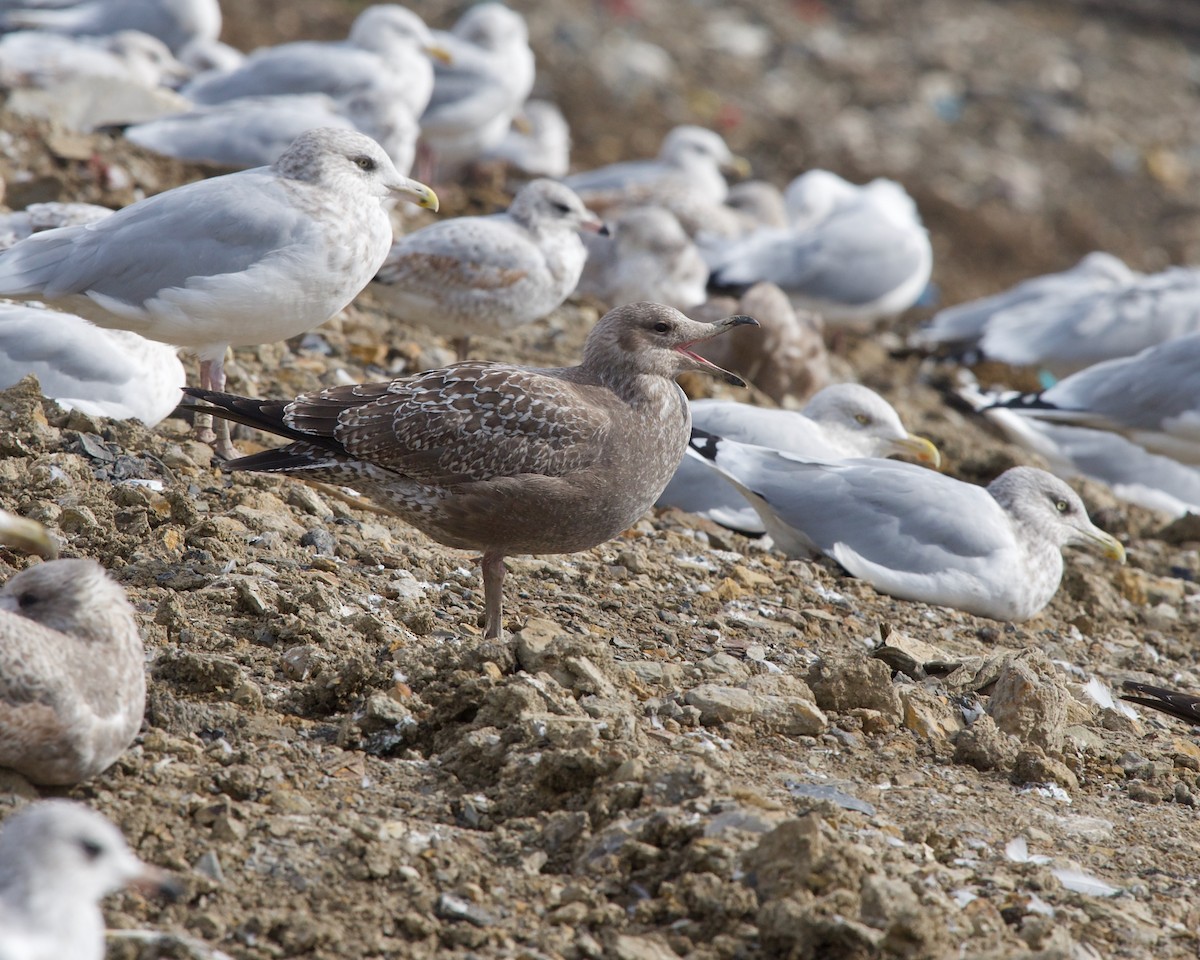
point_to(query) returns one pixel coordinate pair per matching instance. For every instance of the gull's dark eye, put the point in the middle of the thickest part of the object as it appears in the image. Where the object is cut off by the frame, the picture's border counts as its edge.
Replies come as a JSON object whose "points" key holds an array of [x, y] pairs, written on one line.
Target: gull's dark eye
{"points": [[364, 163], [27, 600], [91, 849], [560, 207], [662, 327]]}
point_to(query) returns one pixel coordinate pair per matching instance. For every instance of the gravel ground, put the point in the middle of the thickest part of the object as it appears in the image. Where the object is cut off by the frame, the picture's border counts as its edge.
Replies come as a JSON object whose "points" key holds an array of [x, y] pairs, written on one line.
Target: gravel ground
{"points": [[689, 746]]}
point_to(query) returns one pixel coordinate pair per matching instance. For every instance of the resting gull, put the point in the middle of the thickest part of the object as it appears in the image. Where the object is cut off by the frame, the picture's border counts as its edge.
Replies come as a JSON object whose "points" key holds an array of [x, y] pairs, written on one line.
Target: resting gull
{"points": [[689, 163], [842, 421], [788, 361], [647, 256], [915, 533], [503, 459], [31, 58], [175, 22], [72, 672], [538, 142], [481, 87], [960, 327], [250, 257], [389, 48], [486, 275], [58, 860], [1151, 399], [103, 373], [854, 254]]}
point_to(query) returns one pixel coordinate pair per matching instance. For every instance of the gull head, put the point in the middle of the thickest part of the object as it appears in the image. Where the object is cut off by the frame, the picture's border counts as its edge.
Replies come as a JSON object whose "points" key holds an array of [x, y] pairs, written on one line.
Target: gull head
{"points": [[547, 203], [687, 145], [652, 339], [1040, 501], [70, 596], [867, 424], [352, 162]]}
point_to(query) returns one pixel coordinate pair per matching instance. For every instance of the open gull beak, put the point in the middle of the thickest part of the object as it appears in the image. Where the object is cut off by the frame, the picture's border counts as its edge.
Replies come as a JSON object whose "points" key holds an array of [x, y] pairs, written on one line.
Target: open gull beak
{"points": [[719, 327], [26, 535], [919, 449], [417, 192]]}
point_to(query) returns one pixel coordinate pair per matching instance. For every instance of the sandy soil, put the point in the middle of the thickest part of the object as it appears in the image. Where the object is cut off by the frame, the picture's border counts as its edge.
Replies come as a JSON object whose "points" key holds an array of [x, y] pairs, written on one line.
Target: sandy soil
{"points": [[688, 747]]}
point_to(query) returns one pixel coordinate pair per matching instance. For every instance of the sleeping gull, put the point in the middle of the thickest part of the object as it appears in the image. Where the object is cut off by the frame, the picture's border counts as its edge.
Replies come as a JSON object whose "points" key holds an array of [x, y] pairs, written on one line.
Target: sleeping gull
{"points": [[1152, 399], [486, 275], [72, 672], [647, 256], [788, 361], [31, 58], [254, 131], [58, 860], [689, 163], [503, 459], [915, 533], [854, 254], [960, 327], [388, 48], [842, 421], [538, 142], [250, 257], [175, 22], [478, 92], [103, 373], [1132, 473]]}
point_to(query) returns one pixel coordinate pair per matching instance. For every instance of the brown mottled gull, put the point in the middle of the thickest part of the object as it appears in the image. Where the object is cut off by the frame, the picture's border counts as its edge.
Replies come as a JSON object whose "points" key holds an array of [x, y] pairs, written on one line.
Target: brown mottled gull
{"points": [[499, 458], [72, 673], [250, 257], [486, 275], [58, 859]]}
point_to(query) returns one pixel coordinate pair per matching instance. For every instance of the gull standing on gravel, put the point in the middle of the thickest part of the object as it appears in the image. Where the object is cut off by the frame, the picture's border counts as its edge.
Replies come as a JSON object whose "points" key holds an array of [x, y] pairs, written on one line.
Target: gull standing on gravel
{"points": [[853, 254], [254, 131], [250, 257], [72, 672], [788, 362], [914, 533], [688, 166], [388, 48], [647, 256], [962, 326], [103, 373], [479, 89], [1151, 399], [502, 459], [175, 22], [842, 421], [486, 275], [58, 860]]}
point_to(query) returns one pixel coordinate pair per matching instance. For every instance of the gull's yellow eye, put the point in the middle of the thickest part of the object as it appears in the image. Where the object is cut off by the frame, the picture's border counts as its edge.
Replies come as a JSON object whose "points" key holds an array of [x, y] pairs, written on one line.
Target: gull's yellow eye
{"points": [[862, 418], [1061, 506], [364, 163]]}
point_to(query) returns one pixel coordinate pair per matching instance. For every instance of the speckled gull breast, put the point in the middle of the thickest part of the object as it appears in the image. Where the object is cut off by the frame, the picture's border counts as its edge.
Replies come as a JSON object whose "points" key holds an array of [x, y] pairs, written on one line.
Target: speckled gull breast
{"points": [[58, 859], [250, 257], [914, 533], [843, 420], [486, 275], [504, 459], [72, 672]]}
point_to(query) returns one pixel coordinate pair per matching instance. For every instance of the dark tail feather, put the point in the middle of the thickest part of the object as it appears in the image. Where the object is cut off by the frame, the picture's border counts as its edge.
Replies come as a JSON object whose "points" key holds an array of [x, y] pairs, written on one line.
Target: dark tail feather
{"points": [[261, 414], [1182, 706]]}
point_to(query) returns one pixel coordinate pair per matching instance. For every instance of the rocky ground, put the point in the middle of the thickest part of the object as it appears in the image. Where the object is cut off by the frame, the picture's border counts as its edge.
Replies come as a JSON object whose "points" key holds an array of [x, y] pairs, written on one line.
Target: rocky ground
{"points": [[689, 746]]}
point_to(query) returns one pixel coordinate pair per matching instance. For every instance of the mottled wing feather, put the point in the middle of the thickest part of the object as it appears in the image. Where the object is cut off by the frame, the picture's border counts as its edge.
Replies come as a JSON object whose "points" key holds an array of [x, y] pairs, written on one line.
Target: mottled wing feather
{"points": [[469, 422]]}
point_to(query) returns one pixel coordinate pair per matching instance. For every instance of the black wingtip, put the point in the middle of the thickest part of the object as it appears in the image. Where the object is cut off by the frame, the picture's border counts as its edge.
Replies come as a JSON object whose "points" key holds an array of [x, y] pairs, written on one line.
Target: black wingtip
{"points": [[1182, 706], [704, 443]]}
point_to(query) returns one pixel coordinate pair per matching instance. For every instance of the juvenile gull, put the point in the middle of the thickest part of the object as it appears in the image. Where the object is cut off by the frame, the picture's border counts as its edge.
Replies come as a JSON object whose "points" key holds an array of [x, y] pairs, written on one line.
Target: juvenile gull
{"points": [[854, 254], [647, 256], [388, 48], [72, 672], [250, 257], [962, 326], [58, 860], [1151, 399], [788, 361], [914, 533], [503, 459], [842, 421], [175, 22], [486, 275], [689, 163], [103, 373]]}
